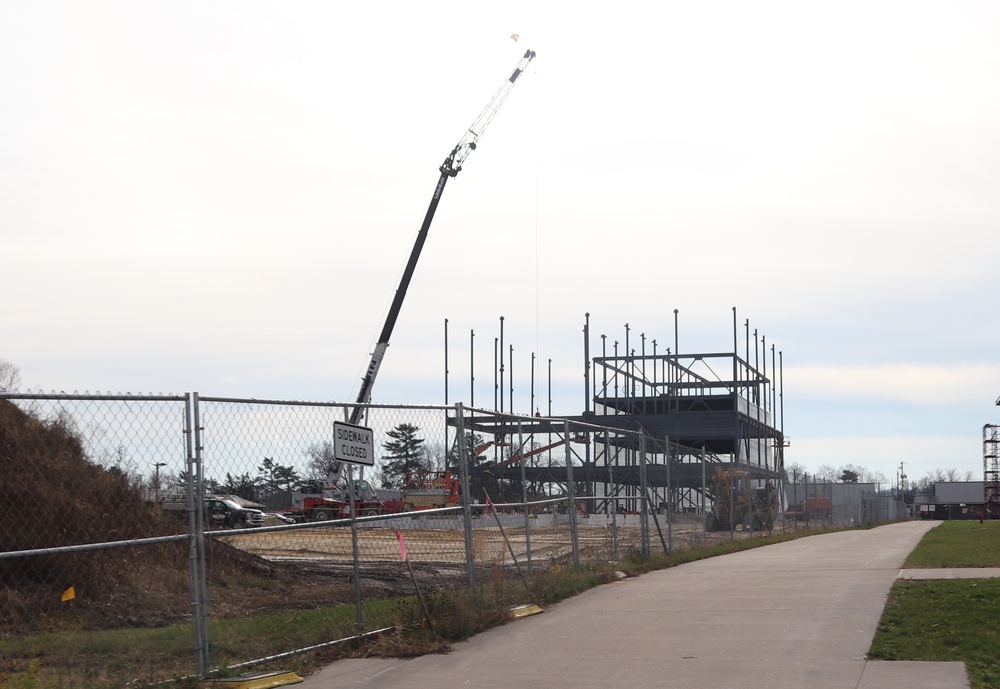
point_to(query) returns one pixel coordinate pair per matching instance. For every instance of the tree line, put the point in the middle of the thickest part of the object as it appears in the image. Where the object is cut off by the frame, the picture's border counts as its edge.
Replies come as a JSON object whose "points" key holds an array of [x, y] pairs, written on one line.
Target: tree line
{"points": [[405, 452], [852, 473]]}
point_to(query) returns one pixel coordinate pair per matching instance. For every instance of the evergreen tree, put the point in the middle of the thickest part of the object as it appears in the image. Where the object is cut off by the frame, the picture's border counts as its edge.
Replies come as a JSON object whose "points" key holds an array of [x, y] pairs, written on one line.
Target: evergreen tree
{"points": [[849, 476], [242, 486], [274, 477], [404, 453]]}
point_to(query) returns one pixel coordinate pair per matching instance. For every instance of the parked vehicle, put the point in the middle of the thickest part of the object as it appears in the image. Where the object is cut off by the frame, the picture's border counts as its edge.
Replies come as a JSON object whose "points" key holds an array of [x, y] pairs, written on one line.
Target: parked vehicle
{"points": [[226, 513], [812, 508], [319, 502], [422, 490]]}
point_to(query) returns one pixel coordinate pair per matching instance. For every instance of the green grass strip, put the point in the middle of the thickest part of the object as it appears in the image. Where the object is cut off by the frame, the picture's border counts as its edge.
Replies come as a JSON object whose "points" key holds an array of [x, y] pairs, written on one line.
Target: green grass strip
{"points": [[944, 620], [958, 544]]}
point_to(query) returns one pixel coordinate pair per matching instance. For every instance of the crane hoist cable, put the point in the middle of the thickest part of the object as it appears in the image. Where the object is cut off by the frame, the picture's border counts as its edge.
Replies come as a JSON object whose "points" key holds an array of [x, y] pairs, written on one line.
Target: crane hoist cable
{"points": [[451, 166]]}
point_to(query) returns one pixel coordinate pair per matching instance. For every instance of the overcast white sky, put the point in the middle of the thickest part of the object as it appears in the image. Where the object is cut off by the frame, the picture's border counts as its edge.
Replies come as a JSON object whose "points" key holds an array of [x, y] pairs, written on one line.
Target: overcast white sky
{"points": [[220, 197]]}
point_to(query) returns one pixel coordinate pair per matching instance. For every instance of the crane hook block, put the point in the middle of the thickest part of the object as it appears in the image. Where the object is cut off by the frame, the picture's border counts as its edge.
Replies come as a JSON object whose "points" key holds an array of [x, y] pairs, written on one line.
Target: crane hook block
{"points": [[515, 75]]}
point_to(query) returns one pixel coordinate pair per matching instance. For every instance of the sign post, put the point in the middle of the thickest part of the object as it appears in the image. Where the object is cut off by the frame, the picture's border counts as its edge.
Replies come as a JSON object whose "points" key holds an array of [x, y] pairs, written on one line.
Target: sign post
{"points": [[354, 445]]}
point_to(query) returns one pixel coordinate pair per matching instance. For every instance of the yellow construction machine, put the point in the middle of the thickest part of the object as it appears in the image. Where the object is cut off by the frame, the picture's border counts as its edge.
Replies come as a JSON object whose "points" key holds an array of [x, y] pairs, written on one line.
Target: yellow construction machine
{"points": [[737, 504]]}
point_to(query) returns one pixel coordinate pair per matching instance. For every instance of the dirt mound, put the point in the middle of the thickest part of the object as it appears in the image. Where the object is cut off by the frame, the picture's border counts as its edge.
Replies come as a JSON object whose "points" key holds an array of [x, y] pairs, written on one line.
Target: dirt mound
{"points": [[53, 496]]}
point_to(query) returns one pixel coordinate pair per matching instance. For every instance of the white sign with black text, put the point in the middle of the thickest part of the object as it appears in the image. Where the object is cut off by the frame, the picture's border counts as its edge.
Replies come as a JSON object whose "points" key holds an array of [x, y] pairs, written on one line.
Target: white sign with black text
{"points": [[353, 444]]}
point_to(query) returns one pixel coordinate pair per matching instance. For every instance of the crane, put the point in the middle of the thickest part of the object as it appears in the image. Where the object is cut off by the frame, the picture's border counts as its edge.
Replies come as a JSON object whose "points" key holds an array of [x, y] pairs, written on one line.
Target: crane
{"points": [[451, 166]]}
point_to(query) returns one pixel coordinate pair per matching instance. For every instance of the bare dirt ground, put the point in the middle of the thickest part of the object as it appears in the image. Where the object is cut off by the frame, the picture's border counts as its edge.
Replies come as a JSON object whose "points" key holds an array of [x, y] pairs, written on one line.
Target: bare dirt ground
{"points": [[438, 555]]}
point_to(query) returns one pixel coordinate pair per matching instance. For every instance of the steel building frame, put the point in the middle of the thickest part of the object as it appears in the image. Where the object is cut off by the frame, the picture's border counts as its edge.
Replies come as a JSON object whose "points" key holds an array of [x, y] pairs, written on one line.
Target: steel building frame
{"points": [[698, 412]]}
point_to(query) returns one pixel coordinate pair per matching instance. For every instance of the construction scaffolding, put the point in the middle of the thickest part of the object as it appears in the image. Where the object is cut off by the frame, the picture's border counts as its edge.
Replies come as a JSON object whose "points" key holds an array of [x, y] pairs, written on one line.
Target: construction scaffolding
{"points": [[991, 469], [701, 433]]}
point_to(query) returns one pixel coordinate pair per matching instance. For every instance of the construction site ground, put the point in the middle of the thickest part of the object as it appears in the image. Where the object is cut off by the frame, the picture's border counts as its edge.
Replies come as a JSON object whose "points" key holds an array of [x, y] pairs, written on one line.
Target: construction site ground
{"points": [[438, 556]]}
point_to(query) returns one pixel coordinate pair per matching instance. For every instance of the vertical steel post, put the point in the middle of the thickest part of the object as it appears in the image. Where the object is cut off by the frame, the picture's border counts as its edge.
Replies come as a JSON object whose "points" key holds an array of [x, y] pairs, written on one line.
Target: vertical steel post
{"points": [[737, 446], [196, 474], [463, 477], [618, 365], [704, 495], [670, 498], [524, 497], [656, 520], [604, 367], [510, 362], [586, 363], [195, 562], [642, 371], [656, 361], [631, 364], [501, 364], [614, 506], [359, 622], [591, 487], [571, 494], [677, 345], [644, 496], [533, 409]]}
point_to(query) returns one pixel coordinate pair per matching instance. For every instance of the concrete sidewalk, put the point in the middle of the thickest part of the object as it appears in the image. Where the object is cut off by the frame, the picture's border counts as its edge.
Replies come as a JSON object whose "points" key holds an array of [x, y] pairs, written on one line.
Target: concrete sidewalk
{"points": [[785, 616]]}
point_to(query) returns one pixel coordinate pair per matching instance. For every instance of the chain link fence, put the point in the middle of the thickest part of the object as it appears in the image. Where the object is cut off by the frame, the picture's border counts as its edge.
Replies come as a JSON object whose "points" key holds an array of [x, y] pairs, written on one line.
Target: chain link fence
{"points": [[148, 538], [821, 503]]}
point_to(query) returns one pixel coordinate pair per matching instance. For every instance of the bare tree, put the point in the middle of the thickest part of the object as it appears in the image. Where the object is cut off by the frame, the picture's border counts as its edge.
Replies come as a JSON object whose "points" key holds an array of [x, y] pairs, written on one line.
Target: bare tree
{"points": [[863, 475], [321, 461], [435, 454], [794, 472], [826, 472], [942, 476], [10, 376]]}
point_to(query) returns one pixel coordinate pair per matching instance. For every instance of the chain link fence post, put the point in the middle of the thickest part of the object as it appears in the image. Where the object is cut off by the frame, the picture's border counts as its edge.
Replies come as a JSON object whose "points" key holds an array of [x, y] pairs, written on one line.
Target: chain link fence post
{"points": [[200, 584], [571, 495], [524, 497], [613, 503], [670, 497], [463, 477], [644, 497]]}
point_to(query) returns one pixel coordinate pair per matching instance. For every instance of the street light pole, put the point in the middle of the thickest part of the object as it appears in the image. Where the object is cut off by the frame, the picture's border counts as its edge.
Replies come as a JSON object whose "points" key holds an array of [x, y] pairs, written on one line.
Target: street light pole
{"points": [[156, 485]]}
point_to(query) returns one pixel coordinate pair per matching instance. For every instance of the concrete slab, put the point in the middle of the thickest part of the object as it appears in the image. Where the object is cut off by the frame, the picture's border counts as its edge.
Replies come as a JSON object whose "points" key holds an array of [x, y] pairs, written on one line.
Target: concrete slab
{"points": [[785, 616], [953, 573], [905, 674]]}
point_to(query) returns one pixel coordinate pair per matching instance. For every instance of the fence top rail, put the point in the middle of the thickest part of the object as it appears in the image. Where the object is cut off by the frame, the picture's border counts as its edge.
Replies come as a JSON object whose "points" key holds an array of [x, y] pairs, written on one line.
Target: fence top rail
{"points": [[306, 403], [118, 397], [84, 547]]}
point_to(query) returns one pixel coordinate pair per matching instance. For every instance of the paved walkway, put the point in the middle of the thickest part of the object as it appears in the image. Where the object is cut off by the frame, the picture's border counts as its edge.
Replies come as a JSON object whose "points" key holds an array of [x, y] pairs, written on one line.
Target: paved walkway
{"points": [[786, 616]]}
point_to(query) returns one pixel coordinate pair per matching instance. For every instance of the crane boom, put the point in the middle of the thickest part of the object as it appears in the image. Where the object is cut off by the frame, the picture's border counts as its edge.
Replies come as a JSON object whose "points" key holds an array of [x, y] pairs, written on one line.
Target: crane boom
{"points": [[450, 168]]}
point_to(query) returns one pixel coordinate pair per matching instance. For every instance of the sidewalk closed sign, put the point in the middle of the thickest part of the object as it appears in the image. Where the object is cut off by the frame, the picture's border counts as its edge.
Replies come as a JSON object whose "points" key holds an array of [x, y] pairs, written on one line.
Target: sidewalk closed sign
{"points": [[354, 444]]}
